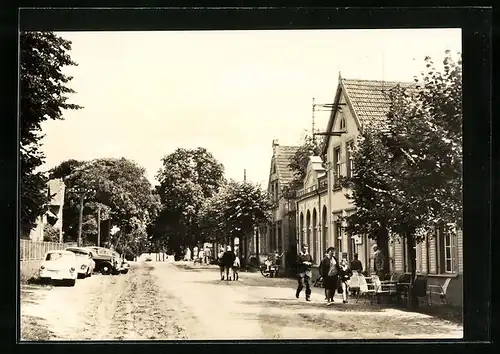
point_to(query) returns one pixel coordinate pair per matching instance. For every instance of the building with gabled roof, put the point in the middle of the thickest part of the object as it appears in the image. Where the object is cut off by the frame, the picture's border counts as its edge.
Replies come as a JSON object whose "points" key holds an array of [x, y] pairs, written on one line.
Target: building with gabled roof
{"points": [[280, 233], [357, 104]]}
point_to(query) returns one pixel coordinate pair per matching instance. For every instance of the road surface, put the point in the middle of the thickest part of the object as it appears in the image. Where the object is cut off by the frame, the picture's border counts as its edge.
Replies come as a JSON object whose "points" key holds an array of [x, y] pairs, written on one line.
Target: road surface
{"points": [[166, 301]]}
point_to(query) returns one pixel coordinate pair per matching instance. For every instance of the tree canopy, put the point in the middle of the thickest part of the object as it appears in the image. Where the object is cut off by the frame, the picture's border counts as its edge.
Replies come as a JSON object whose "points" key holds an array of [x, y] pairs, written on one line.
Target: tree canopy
{"points": [[234, 211], [119, 187], [44, 95], [407, 174], [187, 177]]}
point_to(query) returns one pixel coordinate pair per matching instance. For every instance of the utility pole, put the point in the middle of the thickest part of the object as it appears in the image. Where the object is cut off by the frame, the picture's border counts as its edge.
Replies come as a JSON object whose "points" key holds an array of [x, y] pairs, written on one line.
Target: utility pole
{"points": [[80, 220], [245, 175], [99, 225]]}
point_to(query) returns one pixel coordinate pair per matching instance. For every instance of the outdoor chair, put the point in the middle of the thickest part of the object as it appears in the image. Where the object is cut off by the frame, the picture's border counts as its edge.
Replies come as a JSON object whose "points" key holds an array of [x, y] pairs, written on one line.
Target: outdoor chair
{"points": [[438, 290], [365, 289], [383, 288]]}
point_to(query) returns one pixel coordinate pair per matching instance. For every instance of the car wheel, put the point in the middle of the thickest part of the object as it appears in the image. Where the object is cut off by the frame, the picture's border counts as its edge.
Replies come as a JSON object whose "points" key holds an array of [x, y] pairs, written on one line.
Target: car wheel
{"points": [[125, 271], [106, 269], [71, 282]]}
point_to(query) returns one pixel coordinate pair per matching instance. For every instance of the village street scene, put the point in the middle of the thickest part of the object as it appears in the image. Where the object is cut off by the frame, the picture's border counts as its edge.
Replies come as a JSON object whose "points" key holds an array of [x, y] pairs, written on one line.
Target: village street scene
{"points": [[241, 185]]}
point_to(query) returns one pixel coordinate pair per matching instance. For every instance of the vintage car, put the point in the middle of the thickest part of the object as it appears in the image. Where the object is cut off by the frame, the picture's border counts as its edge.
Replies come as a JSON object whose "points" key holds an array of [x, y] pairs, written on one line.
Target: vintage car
{"points": [[105, 261], [59, 265], [84, 257]]}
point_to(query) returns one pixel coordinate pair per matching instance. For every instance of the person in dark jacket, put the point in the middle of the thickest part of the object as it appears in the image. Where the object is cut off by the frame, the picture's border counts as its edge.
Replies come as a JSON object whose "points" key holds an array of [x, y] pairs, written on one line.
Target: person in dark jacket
{"points": [[329, 268], [227, 261], [304, 264], [356, 264]]}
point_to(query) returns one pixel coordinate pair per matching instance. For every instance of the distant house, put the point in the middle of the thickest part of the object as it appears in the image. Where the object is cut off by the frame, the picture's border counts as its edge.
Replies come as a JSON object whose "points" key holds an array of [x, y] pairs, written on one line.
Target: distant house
{"points": [[54, 214], [280, 233]]}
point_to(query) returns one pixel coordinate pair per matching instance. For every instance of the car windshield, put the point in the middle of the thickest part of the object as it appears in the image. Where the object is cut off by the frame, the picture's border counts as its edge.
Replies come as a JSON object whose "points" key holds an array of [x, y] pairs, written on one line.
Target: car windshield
{"points": [[55, 256], [79, 253]]}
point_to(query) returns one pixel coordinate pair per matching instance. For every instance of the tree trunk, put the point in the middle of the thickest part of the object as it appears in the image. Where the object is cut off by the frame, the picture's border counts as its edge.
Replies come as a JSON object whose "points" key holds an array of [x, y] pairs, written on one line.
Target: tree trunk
{"points": [[412, 257], [257, 236], [245, 255], [383, 245]]}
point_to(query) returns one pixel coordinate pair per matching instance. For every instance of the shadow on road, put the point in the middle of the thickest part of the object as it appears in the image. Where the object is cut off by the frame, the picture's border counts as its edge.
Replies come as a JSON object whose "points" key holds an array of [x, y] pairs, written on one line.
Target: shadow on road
{"points": [[292, 303]]}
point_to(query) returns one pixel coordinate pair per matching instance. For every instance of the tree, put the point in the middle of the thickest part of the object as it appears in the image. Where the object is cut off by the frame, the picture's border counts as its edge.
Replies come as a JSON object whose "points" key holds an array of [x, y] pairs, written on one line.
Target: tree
{"points": [[43, 96], [234, 212], [407, 176], [187, 178], [119, 187]]}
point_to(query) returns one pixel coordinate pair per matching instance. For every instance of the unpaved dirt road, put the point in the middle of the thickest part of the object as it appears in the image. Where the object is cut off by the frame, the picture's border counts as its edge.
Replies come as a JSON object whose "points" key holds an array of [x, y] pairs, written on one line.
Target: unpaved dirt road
{"points": [[162, 301]]}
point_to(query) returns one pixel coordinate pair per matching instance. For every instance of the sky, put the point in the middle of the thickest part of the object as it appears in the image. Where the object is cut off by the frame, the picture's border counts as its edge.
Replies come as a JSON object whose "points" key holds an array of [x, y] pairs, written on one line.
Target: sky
{"points": [[147, 93]]}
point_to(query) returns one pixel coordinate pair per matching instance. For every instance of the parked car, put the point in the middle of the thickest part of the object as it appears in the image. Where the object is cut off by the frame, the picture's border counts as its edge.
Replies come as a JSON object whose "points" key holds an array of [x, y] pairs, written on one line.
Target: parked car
{"points": [[86, 262], [105, 261], [59, 265]]}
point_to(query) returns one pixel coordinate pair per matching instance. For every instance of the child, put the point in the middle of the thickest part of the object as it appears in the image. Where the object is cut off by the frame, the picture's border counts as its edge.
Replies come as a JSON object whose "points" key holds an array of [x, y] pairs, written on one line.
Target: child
{"points": [[236, 267], [268, 262]]}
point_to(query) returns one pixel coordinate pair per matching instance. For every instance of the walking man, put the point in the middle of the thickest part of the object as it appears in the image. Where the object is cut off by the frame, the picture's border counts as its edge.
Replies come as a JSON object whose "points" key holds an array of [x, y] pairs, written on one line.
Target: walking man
{"points": [[330, 269], [304, 263]]}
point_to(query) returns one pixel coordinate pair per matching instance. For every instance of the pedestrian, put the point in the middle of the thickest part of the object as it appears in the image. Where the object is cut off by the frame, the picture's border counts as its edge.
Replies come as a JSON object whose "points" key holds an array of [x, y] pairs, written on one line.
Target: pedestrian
{"points": [[221, 264], [304, 264], [277, 257], [322, 274], [207, 255], [378, 262], [344, 275], [187, 256], [195, 252], [356, 264], [330, 269], [201, 256], [236, 267], [227, 261], [356, 269]]}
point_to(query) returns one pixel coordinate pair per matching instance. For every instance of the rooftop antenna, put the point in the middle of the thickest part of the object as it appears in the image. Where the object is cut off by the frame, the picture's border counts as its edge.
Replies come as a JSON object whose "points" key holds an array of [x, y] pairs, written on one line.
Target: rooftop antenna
{"points": [[313, 110]]}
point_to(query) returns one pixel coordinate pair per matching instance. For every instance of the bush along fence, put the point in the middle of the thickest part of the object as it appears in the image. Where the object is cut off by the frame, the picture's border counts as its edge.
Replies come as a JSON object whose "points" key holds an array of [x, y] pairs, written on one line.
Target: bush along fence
{"points": [[35, 250]]}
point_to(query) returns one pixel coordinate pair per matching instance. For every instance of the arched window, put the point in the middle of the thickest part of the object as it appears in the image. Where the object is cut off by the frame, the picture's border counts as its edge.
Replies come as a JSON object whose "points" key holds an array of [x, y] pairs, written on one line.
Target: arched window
{"points": [[342, 123]]}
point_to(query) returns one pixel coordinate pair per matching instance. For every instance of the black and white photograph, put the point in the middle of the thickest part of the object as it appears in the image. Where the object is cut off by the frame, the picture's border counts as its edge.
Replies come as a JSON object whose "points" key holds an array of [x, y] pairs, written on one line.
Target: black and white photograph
{"points": [[241, 185]]}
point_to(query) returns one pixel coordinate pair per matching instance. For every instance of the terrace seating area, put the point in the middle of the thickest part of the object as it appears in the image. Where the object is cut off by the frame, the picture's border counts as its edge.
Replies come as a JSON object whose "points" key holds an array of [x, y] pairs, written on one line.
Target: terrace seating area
{"points": [[396, 289]]}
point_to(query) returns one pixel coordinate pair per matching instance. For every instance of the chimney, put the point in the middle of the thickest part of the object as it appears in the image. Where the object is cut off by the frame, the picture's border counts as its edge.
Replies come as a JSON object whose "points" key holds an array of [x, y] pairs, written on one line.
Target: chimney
{"points": [[275, 145]]}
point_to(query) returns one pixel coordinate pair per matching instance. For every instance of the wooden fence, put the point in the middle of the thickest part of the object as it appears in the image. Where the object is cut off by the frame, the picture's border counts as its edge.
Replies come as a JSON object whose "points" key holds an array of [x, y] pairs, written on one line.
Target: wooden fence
{"points": [[35, 250]]}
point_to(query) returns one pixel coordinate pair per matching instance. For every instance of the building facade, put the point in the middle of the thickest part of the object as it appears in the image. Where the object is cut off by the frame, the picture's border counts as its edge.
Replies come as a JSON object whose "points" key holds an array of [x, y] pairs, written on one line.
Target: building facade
{"points": [[360, 103], [312, 210], [54, 214], [280, 233]]}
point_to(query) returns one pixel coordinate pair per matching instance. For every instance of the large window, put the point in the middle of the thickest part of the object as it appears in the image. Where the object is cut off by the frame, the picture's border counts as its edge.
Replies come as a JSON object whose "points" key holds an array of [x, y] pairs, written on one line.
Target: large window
{"points": [[336, 166], [448, 252], [338, 235], [349, 163]]}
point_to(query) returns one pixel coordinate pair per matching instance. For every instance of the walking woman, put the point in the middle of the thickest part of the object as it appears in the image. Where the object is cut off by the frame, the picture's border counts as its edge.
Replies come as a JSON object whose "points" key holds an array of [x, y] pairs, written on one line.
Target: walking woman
{"points": [[330, 270], [344, 275]]}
